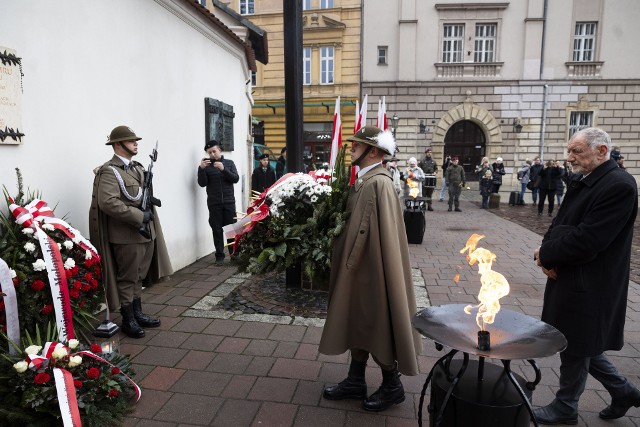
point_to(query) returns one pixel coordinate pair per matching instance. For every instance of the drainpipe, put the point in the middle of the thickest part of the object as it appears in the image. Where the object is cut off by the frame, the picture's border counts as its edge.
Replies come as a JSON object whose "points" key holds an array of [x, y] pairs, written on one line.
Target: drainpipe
{"points": [[361, 43], [546, 86]]}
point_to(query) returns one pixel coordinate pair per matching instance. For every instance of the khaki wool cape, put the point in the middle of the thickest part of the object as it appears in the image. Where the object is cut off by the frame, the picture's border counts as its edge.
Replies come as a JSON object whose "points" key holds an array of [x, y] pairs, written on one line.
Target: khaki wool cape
{"points": [[371, 299], [99, 232]]}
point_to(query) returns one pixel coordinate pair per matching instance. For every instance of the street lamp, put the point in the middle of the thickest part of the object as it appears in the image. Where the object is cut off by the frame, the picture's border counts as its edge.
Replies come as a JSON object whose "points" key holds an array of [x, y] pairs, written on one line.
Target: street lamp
{"points": [[394, 125], [517, 126]]}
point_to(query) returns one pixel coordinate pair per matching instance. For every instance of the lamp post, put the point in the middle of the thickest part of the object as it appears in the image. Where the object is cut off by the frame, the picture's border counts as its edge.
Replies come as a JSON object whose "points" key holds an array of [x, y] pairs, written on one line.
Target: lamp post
{"points": [[394, 125], [517, 126]]}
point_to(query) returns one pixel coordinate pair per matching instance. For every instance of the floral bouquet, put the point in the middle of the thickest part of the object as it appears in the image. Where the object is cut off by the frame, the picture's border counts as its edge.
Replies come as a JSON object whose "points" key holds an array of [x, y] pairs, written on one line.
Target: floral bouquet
{"points": [[22, 249], [57, 384], [296, 219]]}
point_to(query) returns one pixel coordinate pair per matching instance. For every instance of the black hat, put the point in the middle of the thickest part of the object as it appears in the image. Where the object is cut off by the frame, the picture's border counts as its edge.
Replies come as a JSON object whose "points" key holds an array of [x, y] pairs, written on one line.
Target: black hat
{"points": [[212, 143], [263, 156]]}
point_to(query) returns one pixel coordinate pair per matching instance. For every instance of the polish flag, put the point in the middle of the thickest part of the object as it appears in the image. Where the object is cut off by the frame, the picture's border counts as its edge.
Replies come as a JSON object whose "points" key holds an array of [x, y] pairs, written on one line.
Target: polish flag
{"points": [[382, 114], [336, 135], [361, 115]]}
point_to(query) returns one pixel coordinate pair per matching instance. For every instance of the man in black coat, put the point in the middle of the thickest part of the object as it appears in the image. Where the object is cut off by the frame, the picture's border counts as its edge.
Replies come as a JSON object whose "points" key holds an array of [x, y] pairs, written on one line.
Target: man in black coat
{"points": [[586, 254], [218, 175], [281, 166], [263, 176]]}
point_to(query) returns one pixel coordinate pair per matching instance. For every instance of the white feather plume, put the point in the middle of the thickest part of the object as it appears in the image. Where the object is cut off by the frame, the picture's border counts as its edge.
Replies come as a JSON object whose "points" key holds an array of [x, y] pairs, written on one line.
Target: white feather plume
{"points": [[386, 141]]}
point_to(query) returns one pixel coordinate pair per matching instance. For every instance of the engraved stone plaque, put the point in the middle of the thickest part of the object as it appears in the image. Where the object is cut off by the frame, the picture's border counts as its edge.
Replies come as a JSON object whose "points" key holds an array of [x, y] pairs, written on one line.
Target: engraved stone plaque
{"points": [[219, 123], [10, 97]]}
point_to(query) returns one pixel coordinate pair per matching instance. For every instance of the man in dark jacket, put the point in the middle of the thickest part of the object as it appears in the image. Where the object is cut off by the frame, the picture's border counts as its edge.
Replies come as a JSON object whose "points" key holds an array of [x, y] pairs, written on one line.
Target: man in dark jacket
{"points": [[586, 254], [536, 167], [281, 166], [429, 167], [218, 175], [263, 176]]}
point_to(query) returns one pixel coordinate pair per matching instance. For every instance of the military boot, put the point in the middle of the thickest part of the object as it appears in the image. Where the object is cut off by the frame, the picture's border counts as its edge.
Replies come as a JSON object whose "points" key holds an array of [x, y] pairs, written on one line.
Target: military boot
{"points": [[129, 324], [390, 393], [352, 387], [143, 320]]}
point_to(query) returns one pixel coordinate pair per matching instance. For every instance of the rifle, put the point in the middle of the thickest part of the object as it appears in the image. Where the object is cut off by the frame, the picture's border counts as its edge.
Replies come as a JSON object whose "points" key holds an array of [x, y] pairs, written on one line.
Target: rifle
{"points": [[148, 201]]}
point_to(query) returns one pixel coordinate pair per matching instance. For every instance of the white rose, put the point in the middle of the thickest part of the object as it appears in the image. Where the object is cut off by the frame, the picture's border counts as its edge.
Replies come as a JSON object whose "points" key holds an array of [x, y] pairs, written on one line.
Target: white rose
{"points": [[29, 247], [21, 366], [68, 244], [75, 239], [74, 361], [73, 343], [27, 230], [33, 349], [59, 353], [88, 255], [314, 198], [59, 246], [13, 273], [47, 227], [69, 264], [39, 265]]}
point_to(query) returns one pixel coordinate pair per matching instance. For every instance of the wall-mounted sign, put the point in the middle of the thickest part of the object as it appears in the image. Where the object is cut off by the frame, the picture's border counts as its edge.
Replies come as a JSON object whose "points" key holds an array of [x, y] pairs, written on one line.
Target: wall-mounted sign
{"points": [[219, 123], [10, 97]]}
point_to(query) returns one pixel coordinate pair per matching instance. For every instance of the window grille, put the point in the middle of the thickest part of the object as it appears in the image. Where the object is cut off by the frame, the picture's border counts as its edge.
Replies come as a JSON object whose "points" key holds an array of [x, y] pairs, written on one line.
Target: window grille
{"points": [[452, 43], [584, 42], [485, 43]]}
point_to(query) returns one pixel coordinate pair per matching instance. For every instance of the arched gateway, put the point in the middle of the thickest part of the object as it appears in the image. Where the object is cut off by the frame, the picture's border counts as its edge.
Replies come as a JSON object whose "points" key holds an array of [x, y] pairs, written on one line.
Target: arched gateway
{"points": [[469, 132]]}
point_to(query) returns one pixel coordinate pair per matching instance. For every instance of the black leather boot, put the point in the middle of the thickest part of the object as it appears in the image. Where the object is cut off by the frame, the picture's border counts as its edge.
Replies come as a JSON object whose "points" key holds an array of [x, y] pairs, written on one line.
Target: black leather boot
{"points": [[352, 387], [143, 320], [390, 393], [129, 324]]}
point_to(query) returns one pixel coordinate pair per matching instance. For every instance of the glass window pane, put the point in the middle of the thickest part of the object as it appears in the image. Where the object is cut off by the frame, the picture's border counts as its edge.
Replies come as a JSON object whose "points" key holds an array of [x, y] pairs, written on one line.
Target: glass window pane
{"points": [[452, 42]]}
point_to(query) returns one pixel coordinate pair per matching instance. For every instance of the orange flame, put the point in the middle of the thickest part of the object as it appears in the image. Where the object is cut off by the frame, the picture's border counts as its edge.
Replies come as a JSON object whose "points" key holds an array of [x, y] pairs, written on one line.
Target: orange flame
{"points": [[413, 185], [456, 278], [494, 284]]}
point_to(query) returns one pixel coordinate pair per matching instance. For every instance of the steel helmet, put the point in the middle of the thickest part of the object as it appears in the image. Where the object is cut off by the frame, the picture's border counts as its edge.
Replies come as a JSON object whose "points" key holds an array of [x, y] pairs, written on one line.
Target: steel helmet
{"points": [[122, 133]]}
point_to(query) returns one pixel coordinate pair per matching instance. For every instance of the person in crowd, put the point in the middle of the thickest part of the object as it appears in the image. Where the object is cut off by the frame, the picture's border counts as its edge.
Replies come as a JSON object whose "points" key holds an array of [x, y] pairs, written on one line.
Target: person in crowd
{"points": [[455, 180], [414, 173], [524, 174], [374, 239], [263, 176], [483, 167], [560, 182], [281, 165], [586, 255], [549, 177], [392, 166], [533, 176], [497, 169], [486, 184], [115, 221], [218, 175], [429, 167], [445, 187], [620, 162]]}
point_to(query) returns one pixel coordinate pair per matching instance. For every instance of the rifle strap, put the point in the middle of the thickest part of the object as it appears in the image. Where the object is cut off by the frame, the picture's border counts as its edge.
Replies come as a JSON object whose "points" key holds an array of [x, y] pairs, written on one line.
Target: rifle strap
{"points": [[123, 188]]}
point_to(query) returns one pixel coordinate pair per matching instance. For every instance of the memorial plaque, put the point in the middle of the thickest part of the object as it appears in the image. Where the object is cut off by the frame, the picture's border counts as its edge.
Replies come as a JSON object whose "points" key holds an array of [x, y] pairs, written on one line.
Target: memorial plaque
{"points": [[219, 123], [10, 97]]}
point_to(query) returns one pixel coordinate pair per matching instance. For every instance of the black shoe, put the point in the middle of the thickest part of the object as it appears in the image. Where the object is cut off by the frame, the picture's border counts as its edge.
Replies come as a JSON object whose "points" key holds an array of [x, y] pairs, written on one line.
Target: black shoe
{"points": [[429, 208], [219, 260], [539, 213], [130, 325], [352, 387], [143, 320], [550, 214], [549, 415], [620, 406], [449, 210], [458, 210], [390, 393]]}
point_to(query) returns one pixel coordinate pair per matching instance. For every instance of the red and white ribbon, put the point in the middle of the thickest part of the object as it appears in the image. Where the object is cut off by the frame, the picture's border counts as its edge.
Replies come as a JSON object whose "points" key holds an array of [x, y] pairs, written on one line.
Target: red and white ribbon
{"points": [[10, 305], [95, 356], [67, 400]]}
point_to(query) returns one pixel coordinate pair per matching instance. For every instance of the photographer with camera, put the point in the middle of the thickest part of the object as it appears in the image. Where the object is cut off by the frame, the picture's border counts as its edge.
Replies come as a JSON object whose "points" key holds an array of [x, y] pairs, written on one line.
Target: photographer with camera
{"points": [[116, 219], [218, 175]]}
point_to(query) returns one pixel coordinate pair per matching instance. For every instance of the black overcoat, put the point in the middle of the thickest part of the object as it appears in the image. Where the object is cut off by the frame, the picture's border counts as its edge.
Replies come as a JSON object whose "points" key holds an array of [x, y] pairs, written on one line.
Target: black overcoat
{"points": [[589, 244]]}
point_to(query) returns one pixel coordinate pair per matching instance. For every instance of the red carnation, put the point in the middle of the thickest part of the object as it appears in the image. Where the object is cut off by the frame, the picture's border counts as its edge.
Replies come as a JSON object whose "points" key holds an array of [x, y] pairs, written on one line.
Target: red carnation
{"points": [[47, 309], [68, 273], [37, 285], [77, 383], [97, 272], [115, 370], [81, 304], [88, 277], [75, 270], [86, 288], [93, 373], [74, 293], [77, 284], [15, 281], [95, 348], [113, 393], [42, 378]]}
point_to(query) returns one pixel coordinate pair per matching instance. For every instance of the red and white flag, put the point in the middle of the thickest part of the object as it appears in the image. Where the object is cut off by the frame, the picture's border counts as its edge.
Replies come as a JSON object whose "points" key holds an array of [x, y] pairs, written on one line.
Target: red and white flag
{"points": [[336, 135], [361, 114], [382, 114]]}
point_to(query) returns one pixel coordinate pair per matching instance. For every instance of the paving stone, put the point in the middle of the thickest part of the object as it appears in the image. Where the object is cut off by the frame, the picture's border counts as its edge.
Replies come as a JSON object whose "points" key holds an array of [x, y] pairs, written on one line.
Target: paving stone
{"points": [[169, 339], [239, 386], [297, 369], [260, 348], [150, 403], [236, 413], [311, 416], [286, 349], [191, 325], [260, 366], [273, 389], [191, 408], [233, 345], [223, 327], [203, 382], [161, 378], [160, 357], [254, 330], [202, 342], [275, 415], [308, 393], [230, 363], [307, 352], [196, 360]]}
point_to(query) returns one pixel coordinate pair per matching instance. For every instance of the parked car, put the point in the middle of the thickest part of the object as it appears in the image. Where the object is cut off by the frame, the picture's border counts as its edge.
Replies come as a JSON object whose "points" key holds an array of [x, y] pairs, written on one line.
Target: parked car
{"points": [[258, 150]]}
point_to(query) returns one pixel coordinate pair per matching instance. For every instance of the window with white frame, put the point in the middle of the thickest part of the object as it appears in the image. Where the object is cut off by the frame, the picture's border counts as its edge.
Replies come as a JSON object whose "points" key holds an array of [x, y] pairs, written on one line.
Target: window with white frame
{"points": [[306, 66], [326, 4], [246, 7], [326, 65], [382, 55], [584, 42], [485, 43], [452, 43], [306, 4], [580, 120]]}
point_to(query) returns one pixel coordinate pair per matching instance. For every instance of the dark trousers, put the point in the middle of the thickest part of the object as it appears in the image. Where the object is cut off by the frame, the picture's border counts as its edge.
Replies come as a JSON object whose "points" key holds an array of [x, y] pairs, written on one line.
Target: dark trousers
{"points": [[362, 356], [495, 188], [546, 194], [219, 216], [428, 193], [454, 194], [573, 377], [132, 265]]}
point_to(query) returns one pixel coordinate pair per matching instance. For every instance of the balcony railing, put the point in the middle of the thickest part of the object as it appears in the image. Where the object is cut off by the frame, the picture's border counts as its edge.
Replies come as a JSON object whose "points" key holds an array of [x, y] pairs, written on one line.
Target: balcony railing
{"points": [[584, 70], [459, 70]]}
